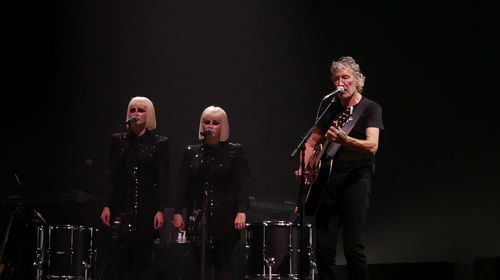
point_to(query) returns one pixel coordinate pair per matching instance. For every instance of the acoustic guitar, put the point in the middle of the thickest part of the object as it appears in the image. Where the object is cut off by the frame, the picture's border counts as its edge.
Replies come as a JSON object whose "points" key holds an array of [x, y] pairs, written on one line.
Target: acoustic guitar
{"points": [[315, 163]]}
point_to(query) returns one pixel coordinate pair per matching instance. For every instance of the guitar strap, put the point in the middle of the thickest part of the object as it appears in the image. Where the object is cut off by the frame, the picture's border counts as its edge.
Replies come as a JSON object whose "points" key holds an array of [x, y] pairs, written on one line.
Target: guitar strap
{"points": [[356, 114]]}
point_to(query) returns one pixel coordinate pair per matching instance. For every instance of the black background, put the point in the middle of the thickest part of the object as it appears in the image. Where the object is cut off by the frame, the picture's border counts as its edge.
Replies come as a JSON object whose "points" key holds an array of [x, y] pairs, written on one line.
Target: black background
{"points": [[70, 69]]}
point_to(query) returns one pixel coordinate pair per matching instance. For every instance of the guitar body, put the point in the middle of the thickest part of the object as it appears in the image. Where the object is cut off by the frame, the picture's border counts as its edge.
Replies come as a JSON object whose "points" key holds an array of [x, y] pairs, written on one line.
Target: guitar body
{"points": [[314, 192], [317, 173]]}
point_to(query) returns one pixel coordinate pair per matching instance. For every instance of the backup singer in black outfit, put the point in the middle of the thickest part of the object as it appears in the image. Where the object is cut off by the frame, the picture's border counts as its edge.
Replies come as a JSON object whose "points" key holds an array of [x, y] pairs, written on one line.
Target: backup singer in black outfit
{"points": [[345, 200], [215, 172], [138, 169]]}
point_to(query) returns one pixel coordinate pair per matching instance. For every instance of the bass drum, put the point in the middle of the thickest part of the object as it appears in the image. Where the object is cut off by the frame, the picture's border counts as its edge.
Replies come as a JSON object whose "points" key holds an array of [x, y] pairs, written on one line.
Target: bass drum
{"points": [[70, 252], [275, 245]]}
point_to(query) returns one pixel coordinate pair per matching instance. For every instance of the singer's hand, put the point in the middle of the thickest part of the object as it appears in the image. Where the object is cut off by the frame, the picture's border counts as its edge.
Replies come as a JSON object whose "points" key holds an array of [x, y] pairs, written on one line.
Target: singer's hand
{"points": [[240, 220], [105, 216], [178, 223], [158, 220]]}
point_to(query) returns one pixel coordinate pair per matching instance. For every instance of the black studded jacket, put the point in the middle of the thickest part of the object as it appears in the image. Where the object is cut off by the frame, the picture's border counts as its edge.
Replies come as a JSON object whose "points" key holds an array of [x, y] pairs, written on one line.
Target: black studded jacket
{"points": [[139, 176], [219, 176]]}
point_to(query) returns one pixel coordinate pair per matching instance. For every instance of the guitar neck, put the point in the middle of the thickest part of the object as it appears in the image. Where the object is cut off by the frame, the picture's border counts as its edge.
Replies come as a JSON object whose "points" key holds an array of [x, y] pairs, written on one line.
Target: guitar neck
{"points": [[323, 147], [341, 121]]}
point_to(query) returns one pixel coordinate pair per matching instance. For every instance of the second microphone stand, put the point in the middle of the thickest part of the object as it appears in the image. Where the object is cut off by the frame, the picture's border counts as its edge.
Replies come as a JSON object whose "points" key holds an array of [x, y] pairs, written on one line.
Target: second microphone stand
{"points": [[203, 236], [300, 212]]}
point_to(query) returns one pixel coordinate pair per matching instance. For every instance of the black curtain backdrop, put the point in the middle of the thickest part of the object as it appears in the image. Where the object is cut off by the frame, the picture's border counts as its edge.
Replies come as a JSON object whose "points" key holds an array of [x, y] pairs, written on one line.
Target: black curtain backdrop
{"points": [[70, 69]]}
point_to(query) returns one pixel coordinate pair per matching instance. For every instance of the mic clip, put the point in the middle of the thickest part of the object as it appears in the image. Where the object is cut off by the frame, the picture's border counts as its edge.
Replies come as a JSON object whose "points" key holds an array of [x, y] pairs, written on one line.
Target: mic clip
{"points": [[206, 133], [131, 120], [334, 93]]}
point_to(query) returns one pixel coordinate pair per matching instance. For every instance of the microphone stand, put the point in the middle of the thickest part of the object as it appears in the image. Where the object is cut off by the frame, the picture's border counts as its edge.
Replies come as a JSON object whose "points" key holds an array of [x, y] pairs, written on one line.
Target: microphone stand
{"points": [[203, 236], [300, 213], [203, 230]]}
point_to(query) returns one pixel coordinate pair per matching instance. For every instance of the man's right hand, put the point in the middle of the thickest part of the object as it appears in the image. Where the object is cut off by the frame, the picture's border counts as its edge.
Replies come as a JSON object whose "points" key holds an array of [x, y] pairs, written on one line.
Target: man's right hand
{"points": [[105, 215], [298, 176]]}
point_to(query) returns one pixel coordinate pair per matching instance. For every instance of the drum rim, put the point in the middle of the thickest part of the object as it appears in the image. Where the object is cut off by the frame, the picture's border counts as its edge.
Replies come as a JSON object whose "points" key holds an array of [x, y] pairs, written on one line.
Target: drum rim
{"points": [[272, 275], [270, 223], [53, 276], [69, 226]]}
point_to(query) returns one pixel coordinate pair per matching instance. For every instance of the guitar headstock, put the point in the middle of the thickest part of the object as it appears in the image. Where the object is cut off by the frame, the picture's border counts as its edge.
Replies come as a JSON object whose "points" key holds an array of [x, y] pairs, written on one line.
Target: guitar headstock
{"points": [[344, 117]]}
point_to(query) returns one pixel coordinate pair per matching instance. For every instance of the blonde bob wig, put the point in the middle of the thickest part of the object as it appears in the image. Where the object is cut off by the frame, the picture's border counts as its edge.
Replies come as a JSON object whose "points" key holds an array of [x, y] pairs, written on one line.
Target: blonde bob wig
{"points": [[142, 101], [218, 114]]}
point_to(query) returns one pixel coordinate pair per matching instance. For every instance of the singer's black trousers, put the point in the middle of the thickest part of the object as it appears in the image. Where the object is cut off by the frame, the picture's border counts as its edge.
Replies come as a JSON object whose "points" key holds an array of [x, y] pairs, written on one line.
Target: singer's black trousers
{"points": [[127, 257], [343, 207], [218, 260]]}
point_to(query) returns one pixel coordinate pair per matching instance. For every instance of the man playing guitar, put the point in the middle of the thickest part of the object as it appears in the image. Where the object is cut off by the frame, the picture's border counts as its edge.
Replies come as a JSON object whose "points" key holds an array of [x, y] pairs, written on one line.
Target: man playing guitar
{"points": [[348, 163]]}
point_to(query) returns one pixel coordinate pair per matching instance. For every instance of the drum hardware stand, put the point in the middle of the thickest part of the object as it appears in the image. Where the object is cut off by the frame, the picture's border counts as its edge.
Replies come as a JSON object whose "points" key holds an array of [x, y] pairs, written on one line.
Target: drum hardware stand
{"points": [[300, 208], [92, 255], [86, 270], [11, 197], [7, 232], [313, 269], [40, 250], [300, 212], [40, 254], [270, 262], [310, 253]]}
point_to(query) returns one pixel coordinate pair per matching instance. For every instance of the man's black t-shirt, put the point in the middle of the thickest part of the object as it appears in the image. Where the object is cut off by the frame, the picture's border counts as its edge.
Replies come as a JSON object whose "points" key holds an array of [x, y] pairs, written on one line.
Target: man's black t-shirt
{"points": [[346, 159]]}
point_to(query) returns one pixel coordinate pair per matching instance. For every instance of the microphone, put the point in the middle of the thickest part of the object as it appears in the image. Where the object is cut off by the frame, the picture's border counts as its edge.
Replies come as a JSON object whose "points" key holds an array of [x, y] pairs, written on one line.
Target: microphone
{"points": [[337, 90], [131, 120], [206, 133]]}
